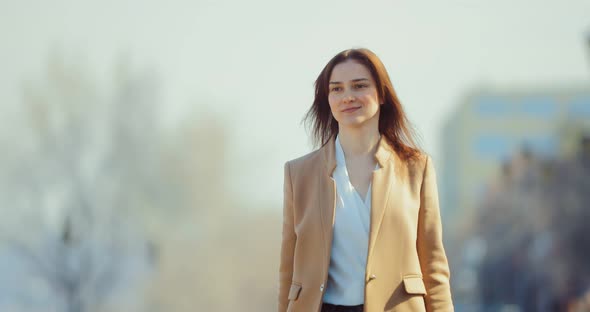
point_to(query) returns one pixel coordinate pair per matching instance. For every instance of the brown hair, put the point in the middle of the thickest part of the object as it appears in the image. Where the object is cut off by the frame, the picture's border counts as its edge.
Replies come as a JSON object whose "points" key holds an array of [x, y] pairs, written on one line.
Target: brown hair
{"points": [[393, 122]]}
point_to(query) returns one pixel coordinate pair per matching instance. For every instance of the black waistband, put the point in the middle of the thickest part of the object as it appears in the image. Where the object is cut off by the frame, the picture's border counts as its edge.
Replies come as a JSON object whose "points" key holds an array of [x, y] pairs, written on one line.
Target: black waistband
{"points": [[327, 307]]}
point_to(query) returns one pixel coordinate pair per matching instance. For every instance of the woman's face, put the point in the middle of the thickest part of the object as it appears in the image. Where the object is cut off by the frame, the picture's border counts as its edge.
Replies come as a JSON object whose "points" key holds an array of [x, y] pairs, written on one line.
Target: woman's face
{"points": [[352, 95]]}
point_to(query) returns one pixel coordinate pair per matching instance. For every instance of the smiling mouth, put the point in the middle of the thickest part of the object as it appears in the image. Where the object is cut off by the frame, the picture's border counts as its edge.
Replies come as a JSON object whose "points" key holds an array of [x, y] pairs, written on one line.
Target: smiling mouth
{"points": [[351, 109]]}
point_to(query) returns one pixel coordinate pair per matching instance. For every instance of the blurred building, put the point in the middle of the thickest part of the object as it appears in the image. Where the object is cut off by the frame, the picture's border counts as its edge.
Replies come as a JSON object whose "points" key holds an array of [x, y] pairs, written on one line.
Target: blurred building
{"points": [[490, 126]]}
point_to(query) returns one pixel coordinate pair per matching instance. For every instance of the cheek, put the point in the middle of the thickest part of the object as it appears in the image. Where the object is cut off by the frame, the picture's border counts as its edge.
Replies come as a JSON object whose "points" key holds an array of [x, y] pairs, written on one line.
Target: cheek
{"points": [[332, 100], [370, 100]]}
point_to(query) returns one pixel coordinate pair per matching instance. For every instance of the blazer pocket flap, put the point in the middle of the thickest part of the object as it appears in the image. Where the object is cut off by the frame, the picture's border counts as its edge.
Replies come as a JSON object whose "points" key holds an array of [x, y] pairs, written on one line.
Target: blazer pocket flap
{"points": [[294, 292], [414, 285]]}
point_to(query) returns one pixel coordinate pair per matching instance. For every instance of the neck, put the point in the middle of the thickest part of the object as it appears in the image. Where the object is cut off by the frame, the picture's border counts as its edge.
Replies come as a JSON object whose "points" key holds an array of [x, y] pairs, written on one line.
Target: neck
{"points": [[359, 142]]}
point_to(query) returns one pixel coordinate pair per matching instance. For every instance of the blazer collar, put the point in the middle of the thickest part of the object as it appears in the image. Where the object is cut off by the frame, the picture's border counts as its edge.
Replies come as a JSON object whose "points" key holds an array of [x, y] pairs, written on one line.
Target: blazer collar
{"points": [[382, 154]]}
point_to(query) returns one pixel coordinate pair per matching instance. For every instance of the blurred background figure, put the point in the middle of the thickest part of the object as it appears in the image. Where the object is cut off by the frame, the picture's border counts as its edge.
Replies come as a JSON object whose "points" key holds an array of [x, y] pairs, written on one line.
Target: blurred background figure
{"points": [[142, 145], [522, 176]]}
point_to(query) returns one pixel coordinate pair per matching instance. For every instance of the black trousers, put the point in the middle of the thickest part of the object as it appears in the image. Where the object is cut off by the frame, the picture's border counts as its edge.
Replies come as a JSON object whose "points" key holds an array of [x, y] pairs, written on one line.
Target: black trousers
{"points": [[326, 307]]}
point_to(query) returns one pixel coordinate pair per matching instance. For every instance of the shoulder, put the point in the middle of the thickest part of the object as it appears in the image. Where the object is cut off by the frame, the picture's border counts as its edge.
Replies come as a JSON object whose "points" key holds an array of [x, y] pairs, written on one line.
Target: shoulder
{"points": [[424, 167], [423, 160], [418, 162], [417, 168], [308, 160], [406, 158], [307, 163]]}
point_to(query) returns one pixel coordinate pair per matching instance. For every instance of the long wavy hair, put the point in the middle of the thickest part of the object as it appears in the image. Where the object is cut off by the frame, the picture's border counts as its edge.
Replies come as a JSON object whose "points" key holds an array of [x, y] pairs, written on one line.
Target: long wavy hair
{"points": [[393, 122]]}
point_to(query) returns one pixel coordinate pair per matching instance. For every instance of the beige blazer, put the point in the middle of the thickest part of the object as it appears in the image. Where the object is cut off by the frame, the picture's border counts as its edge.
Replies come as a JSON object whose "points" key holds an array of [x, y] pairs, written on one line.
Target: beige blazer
{"points": [[407, 268]]}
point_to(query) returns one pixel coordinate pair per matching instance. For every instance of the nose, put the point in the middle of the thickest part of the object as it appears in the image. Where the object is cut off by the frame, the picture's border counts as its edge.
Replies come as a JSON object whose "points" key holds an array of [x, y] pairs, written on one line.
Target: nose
{"points": [[349, 98]]}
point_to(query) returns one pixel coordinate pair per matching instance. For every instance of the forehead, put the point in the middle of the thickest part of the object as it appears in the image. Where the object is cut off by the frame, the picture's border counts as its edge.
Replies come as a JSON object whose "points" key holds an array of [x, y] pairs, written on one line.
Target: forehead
{"points": [[349, 70]]}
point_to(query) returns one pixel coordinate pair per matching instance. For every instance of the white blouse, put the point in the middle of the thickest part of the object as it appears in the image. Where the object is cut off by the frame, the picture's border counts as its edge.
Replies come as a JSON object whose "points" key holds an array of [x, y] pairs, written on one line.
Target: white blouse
{"points": [[346, 275]]}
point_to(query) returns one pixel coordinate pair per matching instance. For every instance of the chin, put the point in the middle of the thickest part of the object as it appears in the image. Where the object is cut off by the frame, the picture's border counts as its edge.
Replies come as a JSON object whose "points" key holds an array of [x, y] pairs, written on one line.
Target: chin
{"points": [[357, 121], [353, 122]]}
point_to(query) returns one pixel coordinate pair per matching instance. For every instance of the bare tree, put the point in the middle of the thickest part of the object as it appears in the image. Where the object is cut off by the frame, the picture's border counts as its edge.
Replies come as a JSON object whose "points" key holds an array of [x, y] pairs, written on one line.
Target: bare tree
{"points": [[78, 177]]}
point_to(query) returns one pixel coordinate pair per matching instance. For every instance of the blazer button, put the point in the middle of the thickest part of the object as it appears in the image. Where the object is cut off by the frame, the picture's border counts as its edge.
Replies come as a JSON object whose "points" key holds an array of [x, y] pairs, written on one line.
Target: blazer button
{"points": [[321, 287]]}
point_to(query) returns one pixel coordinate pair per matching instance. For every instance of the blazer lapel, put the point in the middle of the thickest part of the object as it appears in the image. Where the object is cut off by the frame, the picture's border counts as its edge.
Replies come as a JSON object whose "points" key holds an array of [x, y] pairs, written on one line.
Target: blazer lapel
{"points": [[385, 185], [328, 195]]}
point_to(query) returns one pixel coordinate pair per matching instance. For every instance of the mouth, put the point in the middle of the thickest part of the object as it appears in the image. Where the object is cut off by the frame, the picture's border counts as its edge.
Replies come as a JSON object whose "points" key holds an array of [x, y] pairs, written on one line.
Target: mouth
{"points": [[351, 109]]}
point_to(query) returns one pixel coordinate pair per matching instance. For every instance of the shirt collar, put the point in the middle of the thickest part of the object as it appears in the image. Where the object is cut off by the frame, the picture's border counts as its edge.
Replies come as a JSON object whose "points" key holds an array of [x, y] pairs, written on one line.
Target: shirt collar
{"points": [[340, 160]]}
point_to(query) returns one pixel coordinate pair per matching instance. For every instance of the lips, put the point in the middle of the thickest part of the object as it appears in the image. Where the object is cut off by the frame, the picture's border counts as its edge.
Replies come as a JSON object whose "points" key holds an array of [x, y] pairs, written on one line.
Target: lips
{"points": [[351, 109]]}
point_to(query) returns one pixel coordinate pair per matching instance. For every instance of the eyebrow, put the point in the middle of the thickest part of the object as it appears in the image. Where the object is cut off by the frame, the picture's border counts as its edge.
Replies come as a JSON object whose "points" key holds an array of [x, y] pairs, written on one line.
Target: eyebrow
{"points": [[353, 80]]}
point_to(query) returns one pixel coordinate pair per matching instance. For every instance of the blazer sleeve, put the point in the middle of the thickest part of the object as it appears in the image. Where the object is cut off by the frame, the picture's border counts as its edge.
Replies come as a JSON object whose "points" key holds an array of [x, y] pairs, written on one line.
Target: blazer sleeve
{"points": [[288, 242], [433, 260]]}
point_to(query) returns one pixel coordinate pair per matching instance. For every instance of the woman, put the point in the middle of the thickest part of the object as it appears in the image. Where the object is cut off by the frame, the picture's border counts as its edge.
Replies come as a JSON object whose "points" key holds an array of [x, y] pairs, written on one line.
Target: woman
{"points": [[361, 223]]}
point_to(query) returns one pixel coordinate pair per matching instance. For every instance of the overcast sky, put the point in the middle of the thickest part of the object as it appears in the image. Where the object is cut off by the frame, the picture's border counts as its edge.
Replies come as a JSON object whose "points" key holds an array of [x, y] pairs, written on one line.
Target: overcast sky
{"points": [[254, 62]]}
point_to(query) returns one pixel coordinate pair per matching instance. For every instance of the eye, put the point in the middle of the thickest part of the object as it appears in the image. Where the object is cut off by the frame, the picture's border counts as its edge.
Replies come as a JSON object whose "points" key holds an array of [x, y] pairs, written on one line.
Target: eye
{"points": [[335, 89], [360, 86]]}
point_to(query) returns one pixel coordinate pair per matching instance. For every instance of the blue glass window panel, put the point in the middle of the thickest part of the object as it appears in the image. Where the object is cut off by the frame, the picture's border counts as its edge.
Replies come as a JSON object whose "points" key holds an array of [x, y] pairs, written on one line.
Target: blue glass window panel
{"points": [[580, 107], [542, 145], [493, 106], [493, 147], [541, 107]]}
